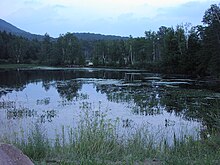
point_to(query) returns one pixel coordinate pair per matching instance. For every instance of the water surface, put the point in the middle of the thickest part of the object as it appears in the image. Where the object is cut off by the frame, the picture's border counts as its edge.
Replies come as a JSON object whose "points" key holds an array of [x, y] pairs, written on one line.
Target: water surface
{"points": [[56, 97]]}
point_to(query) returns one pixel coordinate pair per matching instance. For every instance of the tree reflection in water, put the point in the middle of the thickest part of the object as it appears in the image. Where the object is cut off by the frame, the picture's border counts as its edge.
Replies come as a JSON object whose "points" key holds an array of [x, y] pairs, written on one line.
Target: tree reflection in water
{"points": [[141, 96]]}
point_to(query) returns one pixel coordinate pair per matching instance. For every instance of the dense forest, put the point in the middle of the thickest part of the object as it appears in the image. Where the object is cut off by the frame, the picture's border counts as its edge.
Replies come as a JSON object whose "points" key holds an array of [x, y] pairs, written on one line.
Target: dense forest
{"points": [[184, 49]]}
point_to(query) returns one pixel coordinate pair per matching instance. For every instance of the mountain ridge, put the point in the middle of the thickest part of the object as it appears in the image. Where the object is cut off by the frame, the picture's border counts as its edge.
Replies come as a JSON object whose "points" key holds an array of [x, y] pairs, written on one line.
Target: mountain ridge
{"points": [[9, 28]]}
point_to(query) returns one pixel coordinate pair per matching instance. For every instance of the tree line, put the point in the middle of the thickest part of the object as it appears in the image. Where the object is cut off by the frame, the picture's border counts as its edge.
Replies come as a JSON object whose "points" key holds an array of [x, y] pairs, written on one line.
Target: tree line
{"points": [[182, 49]]}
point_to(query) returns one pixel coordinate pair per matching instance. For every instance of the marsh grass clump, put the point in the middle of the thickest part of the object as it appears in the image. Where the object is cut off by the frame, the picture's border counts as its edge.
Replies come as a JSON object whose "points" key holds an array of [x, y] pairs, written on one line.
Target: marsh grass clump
{"points": [[94, 138], [36, 145], [204, 150], [97, 140], [192, 152], [141, 145]]}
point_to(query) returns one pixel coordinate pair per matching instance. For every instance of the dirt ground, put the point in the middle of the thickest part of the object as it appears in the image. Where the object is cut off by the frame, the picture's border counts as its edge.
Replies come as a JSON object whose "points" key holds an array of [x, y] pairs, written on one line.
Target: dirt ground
{"points": [[10, 155]]}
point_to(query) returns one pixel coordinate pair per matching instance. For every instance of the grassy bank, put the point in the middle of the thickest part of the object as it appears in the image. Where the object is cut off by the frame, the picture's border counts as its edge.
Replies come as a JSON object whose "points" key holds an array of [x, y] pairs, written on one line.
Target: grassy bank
{"points": [[16, 66], [95, 141]]}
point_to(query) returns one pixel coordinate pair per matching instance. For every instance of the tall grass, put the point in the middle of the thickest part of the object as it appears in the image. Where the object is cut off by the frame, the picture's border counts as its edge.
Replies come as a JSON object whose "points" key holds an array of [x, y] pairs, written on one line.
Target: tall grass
{"points": [[206, 150], [95, 140], [36, 145]]}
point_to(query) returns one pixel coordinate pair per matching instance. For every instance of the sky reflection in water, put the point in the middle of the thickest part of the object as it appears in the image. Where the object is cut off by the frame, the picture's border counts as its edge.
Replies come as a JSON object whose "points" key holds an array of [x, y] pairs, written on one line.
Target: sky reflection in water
{"points": [[58, 102]]}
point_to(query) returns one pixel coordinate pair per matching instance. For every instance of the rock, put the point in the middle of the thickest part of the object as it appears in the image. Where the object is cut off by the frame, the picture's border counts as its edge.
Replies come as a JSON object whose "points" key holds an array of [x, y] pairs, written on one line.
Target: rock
{"points": [[10, 155]]}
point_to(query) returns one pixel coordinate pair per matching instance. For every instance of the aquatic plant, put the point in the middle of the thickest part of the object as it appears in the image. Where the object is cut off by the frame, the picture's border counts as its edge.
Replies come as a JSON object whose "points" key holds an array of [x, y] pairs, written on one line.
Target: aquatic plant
{"points": [[95, 141]]}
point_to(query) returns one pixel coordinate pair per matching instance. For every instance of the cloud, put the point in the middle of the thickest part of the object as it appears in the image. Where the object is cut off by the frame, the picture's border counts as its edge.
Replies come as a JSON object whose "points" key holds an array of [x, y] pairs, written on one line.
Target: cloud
{"points": [[32, 2], [121, 17], [60, 6], [191, 12], [124, 25], [35, 20]]}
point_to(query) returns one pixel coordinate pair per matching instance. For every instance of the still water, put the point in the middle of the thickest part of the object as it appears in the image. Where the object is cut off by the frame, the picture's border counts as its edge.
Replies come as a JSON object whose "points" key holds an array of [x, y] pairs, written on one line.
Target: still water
{"points": [[55, 98]]}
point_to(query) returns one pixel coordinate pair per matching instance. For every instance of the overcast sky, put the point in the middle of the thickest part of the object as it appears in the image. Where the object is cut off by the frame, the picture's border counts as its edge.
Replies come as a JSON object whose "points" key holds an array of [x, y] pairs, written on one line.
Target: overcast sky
{"points": [[116, 17]]}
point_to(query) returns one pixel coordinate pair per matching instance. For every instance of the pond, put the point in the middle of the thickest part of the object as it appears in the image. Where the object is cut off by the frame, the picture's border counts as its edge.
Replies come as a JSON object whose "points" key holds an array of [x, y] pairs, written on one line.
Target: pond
{"points": [[55, 98]]}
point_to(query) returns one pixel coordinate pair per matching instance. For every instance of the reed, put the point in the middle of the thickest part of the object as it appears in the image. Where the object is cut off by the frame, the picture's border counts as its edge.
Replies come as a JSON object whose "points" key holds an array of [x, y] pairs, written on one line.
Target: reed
{"points": [[95, 140]]}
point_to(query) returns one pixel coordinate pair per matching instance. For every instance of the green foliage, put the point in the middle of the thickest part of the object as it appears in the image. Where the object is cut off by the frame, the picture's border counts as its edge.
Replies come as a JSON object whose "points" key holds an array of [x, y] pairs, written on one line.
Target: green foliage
{"points": [[184, 49], [95, 141], [193, 152], [36, 146]]}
